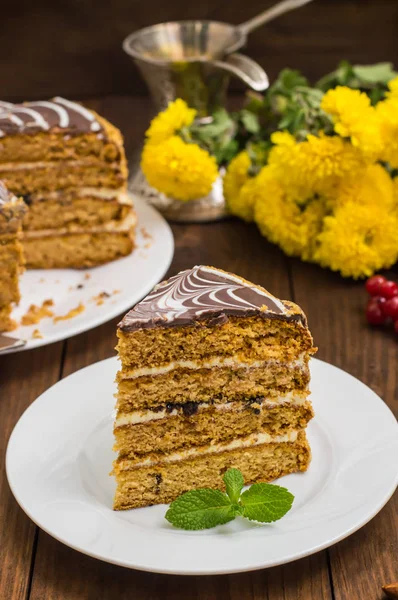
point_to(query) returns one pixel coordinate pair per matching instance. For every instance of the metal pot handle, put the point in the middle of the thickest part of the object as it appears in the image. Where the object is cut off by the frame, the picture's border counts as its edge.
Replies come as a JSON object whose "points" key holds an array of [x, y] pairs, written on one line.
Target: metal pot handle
{"points": [[245, 69]]}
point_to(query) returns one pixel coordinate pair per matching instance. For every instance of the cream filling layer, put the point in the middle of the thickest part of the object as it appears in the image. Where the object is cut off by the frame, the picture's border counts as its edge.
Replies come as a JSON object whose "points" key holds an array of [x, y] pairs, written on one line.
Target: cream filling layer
{"points": [[211, 364], [254, 439], [144, 416], [121, 196], [126, 224]]}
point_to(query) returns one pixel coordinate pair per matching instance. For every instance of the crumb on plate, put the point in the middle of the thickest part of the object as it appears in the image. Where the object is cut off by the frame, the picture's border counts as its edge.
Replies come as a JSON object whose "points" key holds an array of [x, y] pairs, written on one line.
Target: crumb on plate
{"points": [[36, 335], [145, 234], [100, 298], [35, 314], [72, 313]]}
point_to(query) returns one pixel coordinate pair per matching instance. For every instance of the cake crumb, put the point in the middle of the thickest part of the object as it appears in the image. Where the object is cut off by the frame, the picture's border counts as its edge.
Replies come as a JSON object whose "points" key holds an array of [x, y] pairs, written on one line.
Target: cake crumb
{"points": [[35, 314], [72, 313], [116, 292], [145, 234], [36, 335], [41, 280], [100, 298], [87, 276]]}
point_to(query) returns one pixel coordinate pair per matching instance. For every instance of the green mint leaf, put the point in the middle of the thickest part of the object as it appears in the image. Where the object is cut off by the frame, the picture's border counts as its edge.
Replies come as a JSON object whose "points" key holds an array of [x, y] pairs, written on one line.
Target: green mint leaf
{"points": [[234, 483], [264, 502], [201, 509]]}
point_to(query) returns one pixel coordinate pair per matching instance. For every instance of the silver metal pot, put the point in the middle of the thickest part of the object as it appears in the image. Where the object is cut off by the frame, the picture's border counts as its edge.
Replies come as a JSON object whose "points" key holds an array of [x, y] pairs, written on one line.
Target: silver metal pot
{"points": [[194, 60]]}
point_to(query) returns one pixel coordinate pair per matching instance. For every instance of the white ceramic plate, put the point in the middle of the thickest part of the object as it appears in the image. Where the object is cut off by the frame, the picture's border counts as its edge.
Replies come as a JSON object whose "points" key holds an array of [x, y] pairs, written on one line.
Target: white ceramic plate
{"points": [[59, 456], [126, 280]]}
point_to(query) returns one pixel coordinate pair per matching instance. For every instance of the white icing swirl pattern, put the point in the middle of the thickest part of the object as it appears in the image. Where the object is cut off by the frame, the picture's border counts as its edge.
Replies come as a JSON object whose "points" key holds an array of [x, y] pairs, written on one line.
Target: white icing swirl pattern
{"points": [[33, 117], [198, 293]]}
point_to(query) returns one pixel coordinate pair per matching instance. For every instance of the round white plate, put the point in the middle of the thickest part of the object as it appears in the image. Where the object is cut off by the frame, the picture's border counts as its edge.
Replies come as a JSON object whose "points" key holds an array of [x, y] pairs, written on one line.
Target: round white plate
{"points": [[60, 454], [126, 280]]}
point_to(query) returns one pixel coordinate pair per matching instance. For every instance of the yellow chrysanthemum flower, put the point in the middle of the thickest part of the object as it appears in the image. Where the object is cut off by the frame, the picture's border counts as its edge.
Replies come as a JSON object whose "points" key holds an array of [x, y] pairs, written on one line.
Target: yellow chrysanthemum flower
{"points": [[358, 240], [393, 87], [283, 221], [235, 178], [179, 170], [387, 111], [176, 116], [372, 186], [395, 191], [354, 118], [315, 165]]}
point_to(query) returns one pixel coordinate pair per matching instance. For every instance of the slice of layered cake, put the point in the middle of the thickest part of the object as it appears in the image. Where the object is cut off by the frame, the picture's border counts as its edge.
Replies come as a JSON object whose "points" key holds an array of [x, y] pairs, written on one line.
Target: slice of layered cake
{"points": [[12, 210], [69, 165], [214, 374]]}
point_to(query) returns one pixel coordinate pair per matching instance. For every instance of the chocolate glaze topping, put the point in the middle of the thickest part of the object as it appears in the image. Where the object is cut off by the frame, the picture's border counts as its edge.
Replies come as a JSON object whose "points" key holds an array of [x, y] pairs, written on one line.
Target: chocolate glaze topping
{"points": [[205, 293], [57, 114]]}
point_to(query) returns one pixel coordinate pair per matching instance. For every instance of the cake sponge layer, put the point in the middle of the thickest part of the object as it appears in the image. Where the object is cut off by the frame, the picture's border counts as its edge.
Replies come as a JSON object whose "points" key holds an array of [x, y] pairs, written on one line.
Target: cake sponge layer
{"points": [[76, 250], [254, 338], [6, 323], [209, 384], [106, 146], [11, 266], [26, 178], [163, 483], [67, 210], [207, 424]]}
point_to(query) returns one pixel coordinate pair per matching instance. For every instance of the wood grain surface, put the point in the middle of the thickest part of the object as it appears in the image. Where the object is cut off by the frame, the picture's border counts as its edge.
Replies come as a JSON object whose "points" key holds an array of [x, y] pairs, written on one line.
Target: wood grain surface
{"points": [[74, 47], [34, 566]]}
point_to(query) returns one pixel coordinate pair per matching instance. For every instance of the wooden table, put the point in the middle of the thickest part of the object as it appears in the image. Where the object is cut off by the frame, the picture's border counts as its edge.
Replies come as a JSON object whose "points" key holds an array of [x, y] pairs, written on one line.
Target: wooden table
{"points": [[35, 566]]}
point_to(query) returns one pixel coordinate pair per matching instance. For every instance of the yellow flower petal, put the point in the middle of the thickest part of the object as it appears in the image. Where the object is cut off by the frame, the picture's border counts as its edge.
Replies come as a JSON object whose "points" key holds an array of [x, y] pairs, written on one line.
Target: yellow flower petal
{"points": [[354, 118], [176, 116], [235, 178], [179, 170]]}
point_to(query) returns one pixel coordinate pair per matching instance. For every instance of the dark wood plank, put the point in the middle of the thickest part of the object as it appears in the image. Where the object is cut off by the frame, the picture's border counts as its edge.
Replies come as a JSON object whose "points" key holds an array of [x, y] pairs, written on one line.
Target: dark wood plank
{"points": [[22, 378], [74, 48], [303, 580], [335, 307]]}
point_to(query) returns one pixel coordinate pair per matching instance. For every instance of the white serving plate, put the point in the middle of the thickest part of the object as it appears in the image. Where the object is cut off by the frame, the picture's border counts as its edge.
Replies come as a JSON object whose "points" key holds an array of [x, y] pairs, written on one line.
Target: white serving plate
{"points": [[60, 454]]}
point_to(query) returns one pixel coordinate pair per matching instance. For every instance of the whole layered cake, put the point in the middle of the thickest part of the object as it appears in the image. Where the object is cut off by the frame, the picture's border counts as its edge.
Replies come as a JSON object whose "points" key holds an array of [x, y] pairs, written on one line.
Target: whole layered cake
{"points": [[12, 211], [69, 165], [214, 374]]}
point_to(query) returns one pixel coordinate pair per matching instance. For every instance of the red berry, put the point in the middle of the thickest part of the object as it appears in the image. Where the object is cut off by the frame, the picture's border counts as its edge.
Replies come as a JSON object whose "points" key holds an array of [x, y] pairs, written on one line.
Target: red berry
{"points": [[374, 283], [390, 308], [374, 311], [396, 327], [388, 289]]}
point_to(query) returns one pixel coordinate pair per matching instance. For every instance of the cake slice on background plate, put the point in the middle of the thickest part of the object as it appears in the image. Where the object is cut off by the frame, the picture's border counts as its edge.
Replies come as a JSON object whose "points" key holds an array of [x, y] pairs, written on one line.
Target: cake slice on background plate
{"points": [[214, 374], [69, 165], [12, 210]]}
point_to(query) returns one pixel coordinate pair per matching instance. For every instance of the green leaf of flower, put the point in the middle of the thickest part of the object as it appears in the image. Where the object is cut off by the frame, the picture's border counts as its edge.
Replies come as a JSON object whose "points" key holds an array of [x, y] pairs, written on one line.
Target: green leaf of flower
{"points": [[201, 509], [380, 73], [250, 121], [234, 483], [265, 502]]}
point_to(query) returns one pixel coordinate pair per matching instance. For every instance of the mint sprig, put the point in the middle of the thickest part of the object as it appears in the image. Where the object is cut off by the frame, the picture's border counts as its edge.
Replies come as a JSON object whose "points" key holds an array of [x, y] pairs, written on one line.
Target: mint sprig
{"points": [[206, 508], [234, 483], [200, 509], [265, 503]]}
